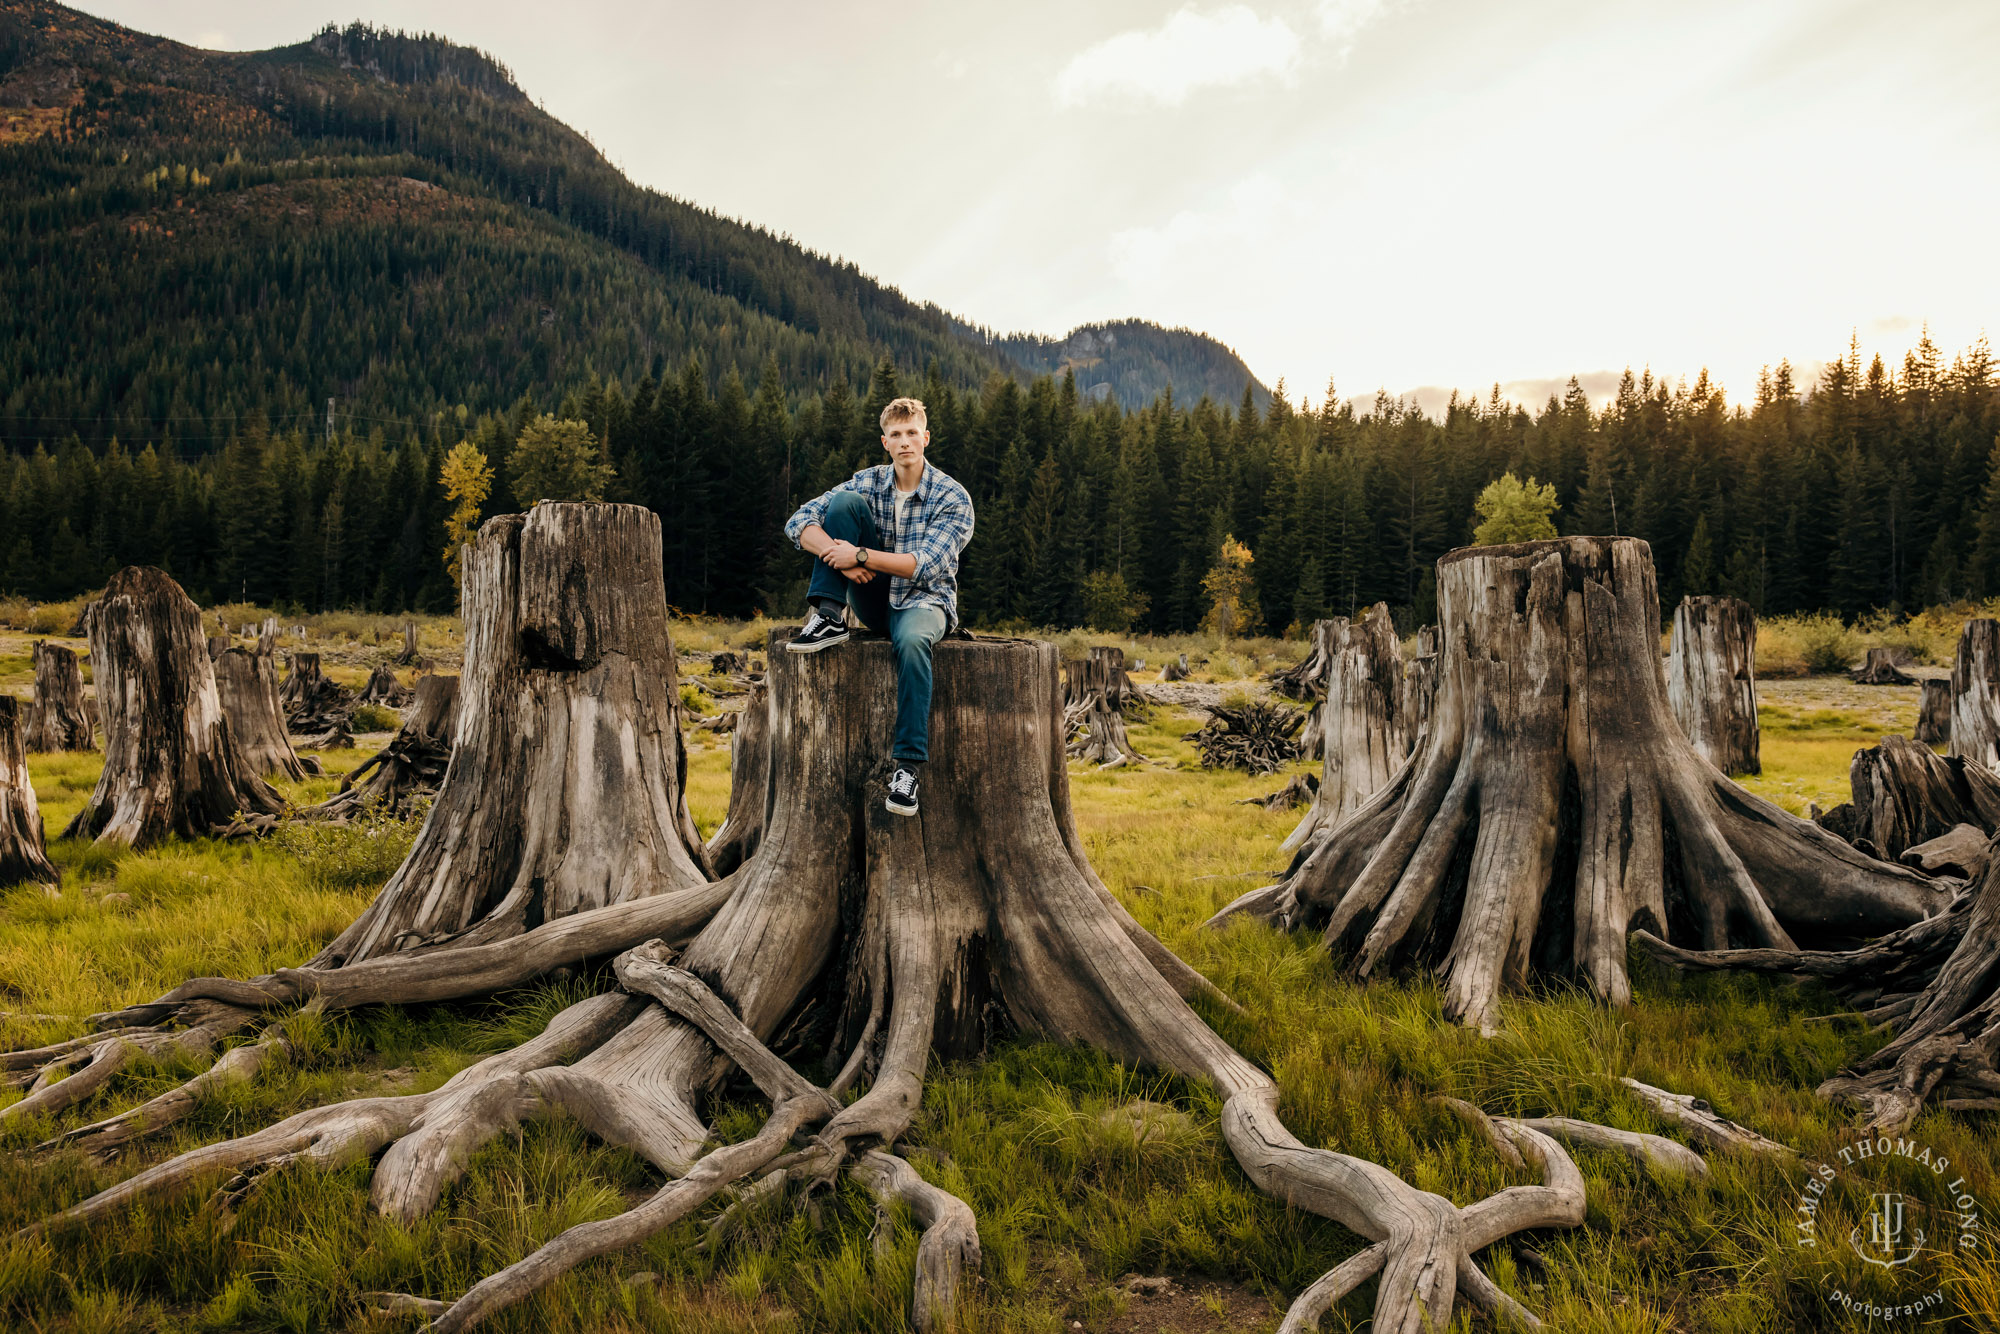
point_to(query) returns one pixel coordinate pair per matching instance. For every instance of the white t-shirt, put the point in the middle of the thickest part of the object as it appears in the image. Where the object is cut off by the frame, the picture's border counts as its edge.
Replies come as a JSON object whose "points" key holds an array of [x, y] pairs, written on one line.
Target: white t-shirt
{"points": [[902, 503]]}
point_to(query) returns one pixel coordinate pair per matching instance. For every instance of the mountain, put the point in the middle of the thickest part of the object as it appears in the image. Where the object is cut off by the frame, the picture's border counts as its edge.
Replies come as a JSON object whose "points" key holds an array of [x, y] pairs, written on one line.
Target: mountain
{"points": [[196, 238], [1132, 360]]}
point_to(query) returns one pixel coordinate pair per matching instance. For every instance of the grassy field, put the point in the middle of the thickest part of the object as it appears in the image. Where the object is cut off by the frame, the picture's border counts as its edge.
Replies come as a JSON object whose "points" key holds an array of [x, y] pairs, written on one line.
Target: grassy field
{"points": [[1068, 1202]]}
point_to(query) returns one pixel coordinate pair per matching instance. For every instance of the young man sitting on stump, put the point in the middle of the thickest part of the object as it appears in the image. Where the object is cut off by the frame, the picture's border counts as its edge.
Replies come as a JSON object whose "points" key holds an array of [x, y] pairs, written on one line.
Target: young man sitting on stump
{"points": [[886, 543]]}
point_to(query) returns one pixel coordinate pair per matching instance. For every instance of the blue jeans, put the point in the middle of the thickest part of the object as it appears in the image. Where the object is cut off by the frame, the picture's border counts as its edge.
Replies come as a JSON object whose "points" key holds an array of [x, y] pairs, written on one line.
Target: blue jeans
{"points": [[911, 630]]}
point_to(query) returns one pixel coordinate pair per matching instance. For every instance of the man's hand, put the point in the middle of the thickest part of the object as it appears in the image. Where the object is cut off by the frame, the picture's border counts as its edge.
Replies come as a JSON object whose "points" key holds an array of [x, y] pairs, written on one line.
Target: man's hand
{"points": [[840, 556], [859, 574]]}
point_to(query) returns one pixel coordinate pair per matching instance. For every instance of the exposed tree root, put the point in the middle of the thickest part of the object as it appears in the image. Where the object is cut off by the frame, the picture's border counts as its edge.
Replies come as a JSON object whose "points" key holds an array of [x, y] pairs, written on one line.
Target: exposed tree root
{"points": [[1937, 984], [1554, 806], [868, 943]]}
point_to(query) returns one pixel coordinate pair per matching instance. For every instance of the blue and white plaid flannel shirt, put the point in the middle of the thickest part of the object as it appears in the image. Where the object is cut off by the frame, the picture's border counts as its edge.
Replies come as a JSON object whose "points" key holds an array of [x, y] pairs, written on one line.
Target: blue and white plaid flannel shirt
{"points": [[937, 523]]}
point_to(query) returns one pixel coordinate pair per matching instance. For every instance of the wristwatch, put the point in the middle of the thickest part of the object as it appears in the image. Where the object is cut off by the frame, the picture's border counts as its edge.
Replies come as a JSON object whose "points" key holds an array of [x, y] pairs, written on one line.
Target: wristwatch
{"points": [[861, 556]]}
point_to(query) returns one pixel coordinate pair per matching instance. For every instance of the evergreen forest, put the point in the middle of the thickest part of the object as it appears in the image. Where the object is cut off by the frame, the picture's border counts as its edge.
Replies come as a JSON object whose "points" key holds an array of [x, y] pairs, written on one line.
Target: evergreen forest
{"points": [[249, 301]]}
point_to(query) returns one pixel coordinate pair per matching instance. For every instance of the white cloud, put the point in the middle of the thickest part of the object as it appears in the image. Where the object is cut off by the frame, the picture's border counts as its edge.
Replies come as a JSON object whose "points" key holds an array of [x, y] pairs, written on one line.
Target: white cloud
{"points": [[1341, 21], [1255, 209], [1189, 51]]}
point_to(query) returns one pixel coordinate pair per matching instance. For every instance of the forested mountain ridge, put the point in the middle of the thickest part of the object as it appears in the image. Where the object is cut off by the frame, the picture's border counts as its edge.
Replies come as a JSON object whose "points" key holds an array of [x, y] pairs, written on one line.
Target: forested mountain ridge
{"points": [[1131, 360], [161, 233]]}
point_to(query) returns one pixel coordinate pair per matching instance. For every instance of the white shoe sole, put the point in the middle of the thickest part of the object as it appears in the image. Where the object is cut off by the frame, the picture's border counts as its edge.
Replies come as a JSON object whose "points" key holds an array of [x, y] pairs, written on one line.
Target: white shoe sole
{"points": [[893, 809], [793, 646]]}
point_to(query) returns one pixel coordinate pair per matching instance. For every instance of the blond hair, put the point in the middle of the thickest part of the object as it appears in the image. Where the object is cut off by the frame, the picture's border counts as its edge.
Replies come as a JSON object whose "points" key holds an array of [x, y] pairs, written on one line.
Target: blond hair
{"points": [[904, 409]]}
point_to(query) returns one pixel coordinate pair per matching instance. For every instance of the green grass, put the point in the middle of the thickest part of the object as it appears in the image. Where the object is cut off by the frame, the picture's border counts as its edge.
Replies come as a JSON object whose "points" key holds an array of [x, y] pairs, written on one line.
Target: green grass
{"points": [[1067, 1202]]}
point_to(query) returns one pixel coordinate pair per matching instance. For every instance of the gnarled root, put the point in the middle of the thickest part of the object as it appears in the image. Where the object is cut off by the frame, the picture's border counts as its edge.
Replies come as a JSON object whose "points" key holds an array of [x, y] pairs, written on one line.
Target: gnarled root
{"points": [[82, 1067], [1553, 806]]}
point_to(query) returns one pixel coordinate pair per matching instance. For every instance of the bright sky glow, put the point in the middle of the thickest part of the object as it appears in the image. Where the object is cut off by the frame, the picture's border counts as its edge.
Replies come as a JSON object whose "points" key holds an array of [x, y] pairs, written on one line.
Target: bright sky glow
{"points": [[1392, 193]]}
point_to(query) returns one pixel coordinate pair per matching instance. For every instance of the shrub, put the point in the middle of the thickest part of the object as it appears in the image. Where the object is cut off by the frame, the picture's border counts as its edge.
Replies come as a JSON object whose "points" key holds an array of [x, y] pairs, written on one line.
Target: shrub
{"points": [[694, 699], [351, 856], [375, 718]]}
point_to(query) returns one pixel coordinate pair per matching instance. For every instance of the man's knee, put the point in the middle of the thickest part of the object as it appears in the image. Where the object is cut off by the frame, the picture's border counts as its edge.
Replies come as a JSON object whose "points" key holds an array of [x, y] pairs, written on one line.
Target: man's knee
{"points": [[847, 505], [915, 633]]}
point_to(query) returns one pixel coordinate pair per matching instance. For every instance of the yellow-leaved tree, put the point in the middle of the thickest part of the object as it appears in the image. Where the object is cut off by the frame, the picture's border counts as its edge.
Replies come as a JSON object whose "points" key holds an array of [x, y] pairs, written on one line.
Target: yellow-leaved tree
{"points": [[1232, 596], [467, 482]]}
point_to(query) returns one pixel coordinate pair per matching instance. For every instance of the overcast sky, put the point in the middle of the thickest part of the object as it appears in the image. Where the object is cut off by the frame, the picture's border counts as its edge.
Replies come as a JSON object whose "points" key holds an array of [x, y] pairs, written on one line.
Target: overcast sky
{"points": [[1391, 193]]}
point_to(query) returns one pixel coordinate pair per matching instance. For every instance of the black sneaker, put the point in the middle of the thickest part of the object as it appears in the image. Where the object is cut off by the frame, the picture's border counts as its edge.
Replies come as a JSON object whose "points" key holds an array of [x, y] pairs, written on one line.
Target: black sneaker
{"points": [[902, 792], [820, 631]]}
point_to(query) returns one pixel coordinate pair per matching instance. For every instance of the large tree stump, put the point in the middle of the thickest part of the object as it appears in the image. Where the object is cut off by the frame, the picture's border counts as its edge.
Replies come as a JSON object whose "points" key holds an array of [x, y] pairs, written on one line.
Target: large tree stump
{"points": [[561, 834], [412, 765], [318, 708], [735, 840], [1366, 733], [23, 855], [1712, 681], [1905, 794], [408, 657], [60, 718], [248, 685], [1554, 805], [171, 764], [383, 688], [1975, 694], [1934, 712], [871, 943], [1095, 689], [1880, 670], [566, 785]]}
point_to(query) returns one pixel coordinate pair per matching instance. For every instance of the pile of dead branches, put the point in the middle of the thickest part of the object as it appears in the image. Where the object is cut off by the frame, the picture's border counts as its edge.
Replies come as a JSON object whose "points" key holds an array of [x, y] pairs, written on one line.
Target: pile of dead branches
{"points": [[1257, 738]]}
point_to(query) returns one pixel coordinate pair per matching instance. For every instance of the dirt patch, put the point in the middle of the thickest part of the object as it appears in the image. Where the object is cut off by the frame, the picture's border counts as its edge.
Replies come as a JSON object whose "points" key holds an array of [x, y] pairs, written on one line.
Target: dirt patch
{"points": [[1172, 1304]]}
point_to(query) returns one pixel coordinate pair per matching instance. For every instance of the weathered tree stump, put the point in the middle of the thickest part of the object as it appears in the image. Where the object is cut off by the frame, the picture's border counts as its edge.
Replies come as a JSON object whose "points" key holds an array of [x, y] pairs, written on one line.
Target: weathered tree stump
{"points": [[318, 709], [1177, 670], [1712, 681], [412, 765], [1306, 680], [1905, 794], [735, 840], [1554, 805], [1367, 736], [408, 657], [383, 688], [871, 943], [1975, 694], [23, 855], [171, 764], [248, 685], [561, 834], [60, 717], [1934, 712], [566, 786], [1094, 690], [1880, 670]]}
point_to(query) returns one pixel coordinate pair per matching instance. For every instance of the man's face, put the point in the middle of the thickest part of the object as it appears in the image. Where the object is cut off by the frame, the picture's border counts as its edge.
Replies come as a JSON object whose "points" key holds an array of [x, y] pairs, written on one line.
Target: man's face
{"points": [[905, 440]]}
